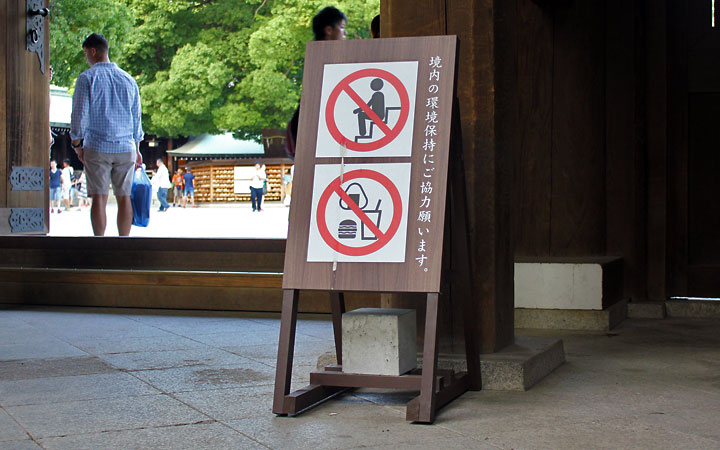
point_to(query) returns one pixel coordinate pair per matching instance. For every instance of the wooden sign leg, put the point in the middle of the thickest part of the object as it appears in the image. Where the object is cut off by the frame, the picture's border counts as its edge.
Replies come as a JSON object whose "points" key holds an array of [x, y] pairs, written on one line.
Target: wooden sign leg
{"points": [[461, 283], [337, 305], [286, 350], [426, 413]]}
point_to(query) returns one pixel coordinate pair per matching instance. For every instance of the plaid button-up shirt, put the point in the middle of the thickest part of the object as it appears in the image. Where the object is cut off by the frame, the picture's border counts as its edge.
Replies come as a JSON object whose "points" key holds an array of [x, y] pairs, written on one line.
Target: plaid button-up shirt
{"points": [[106, 110]]}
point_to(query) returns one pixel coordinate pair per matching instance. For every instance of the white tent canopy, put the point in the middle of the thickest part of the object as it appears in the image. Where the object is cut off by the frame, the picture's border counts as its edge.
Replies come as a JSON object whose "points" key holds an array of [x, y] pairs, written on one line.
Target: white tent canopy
{"points": [[222, 145]]}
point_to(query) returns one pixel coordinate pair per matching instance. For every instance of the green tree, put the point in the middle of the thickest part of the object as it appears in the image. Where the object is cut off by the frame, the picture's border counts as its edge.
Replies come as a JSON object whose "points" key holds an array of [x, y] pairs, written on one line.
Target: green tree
{"points": [[71, 21], [212, 66]]}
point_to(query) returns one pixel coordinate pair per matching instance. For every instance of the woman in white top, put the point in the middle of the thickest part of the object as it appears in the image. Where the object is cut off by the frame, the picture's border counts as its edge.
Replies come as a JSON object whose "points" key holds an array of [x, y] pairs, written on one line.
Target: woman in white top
{"points": [[257, 183]]}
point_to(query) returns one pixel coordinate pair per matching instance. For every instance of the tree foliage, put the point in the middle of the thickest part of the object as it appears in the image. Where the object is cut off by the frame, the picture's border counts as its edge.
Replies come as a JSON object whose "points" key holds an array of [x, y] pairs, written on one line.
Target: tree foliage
{"points": [[210, 66], [71, 21]]}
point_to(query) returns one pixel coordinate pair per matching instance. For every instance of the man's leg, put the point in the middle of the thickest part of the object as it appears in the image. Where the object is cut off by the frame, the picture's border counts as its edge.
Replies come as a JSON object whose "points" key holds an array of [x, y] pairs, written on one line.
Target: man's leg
{"points": [[125, 215], [162, 198], [97, 214]]}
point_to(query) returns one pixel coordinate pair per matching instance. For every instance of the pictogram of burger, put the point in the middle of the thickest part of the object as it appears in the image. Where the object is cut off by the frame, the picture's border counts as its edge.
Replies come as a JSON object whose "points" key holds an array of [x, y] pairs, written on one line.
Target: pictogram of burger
{"points": [[347, 229]]}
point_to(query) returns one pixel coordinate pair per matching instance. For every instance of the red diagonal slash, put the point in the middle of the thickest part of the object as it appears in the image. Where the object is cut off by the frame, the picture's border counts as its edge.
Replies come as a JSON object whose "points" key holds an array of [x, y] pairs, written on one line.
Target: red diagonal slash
{"points": [[359, 212], [370, 113]]}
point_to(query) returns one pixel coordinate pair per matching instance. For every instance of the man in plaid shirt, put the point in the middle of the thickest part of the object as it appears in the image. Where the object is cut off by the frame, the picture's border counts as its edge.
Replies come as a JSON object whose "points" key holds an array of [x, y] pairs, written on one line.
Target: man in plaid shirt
{"points": [[106, 130]]}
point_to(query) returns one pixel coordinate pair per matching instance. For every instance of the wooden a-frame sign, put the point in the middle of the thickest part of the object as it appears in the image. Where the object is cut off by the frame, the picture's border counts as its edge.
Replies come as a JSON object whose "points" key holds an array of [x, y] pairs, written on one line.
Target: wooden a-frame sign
{"points": [[369, 203]]}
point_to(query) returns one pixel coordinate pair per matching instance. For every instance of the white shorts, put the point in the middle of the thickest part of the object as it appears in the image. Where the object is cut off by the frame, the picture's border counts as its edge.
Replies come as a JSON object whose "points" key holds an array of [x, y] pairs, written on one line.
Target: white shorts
{"points": [[101, 168]]}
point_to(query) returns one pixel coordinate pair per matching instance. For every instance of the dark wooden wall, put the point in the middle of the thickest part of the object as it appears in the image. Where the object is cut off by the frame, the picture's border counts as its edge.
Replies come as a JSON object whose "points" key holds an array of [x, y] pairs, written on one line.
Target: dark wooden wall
{"points": [[579, 166], [693, 163], [486, 30]]}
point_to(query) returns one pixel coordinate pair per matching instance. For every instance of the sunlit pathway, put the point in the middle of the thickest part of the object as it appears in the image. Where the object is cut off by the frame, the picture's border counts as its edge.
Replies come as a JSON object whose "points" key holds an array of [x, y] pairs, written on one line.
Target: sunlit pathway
{"points": [[236, 221]]}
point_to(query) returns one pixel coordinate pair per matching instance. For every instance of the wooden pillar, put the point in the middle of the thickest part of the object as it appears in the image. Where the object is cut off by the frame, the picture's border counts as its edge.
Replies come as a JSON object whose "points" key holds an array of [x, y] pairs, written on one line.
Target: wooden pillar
{"points": [[486, 87], [657, 129], [625, 173], [24, 121]]}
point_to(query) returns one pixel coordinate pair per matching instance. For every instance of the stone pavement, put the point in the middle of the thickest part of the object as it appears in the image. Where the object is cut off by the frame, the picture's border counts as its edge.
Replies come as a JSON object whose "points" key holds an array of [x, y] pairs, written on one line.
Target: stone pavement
{"points": [[82, 378]]}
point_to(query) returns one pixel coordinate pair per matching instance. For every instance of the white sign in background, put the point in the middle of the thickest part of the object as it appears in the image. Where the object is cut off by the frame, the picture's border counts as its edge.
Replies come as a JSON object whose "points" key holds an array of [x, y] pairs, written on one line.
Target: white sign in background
{"points": [[241, 178], [345, 111], [342, 224]]}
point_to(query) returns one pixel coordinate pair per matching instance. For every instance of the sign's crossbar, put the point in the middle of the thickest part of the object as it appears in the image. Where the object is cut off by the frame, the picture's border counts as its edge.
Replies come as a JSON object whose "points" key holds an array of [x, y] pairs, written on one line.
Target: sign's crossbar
{"points": [[436, 387]]}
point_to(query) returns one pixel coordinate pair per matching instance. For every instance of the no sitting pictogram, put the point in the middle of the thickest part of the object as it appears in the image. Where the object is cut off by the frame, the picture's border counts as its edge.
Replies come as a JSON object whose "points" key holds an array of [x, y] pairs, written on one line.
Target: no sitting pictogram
{"points": [[382, 238], [373, 110]]}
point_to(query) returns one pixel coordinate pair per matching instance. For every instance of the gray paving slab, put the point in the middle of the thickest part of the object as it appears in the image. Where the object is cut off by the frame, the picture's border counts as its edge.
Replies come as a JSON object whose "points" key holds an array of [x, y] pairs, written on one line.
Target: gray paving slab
{"points": [[190, 326], [95, 326], [647, 384], [611, 435], [15, 331], [9, 428], [25, 369], [203, 356], [246, 337], [268, 352], [39, 391], [455, 443], [25, 444], [200, 436], [45, 348], [318, 328], [337, 425], [94, 416], [700, 421], [187, 379], [132, 344], [231, 404]]}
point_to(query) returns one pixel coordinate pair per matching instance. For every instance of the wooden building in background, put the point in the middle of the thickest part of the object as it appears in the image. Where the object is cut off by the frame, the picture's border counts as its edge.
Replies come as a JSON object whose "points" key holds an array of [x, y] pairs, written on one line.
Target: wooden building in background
{"points": [[220, 164]]}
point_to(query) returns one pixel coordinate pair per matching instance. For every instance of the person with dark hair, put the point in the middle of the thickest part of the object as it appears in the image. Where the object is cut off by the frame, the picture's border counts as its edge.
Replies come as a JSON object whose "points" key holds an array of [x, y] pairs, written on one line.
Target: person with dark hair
{"points": [[106, 131], [375, 27], [328, 25], [161, 179], [257, 183], [55, 187], [189, 183], [178, 183], [66, 181]]}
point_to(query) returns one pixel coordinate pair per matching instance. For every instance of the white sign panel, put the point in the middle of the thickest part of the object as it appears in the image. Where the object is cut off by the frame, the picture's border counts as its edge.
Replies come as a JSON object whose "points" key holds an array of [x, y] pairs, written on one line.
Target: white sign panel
{"points": [[359, 213], [241, 177], [367, 109]]}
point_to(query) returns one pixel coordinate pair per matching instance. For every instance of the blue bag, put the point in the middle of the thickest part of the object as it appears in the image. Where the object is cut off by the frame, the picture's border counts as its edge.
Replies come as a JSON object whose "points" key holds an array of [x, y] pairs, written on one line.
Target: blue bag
{"points": [[141, 198]]}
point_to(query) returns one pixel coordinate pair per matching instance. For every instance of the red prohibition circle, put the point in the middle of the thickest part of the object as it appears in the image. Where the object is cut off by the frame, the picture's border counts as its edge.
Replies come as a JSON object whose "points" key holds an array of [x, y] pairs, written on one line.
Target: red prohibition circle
{"points": [[345, 84], [381, 241]]}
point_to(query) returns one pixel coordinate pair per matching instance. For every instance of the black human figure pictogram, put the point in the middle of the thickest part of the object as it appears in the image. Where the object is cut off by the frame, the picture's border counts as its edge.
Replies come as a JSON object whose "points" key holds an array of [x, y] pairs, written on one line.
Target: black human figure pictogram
{"points": [[376, 103]]}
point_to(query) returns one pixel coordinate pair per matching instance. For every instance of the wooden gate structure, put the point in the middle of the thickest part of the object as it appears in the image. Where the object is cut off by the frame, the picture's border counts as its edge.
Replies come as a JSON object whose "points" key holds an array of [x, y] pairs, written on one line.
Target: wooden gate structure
{"points": [[24, 119]]}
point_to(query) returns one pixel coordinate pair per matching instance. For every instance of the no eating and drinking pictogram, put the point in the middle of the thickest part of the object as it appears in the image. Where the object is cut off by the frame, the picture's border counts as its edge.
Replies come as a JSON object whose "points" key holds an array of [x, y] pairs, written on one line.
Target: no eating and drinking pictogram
{"points": [[360, 215], [367, 109]]}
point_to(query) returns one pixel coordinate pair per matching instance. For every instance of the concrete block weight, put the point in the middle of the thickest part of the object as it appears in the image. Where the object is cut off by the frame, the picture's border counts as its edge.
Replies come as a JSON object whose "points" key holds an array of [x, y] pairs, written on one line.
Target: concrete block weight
{"points": [[379, 341]]}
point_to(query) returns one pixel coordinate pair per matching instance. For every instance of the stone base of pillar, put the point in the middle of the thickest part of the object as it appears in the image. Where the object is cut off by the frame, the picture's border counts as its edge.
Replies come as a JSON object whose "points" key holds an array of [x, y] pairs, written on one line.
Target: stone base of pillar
{"points": [[572, 319], [517, 367]]}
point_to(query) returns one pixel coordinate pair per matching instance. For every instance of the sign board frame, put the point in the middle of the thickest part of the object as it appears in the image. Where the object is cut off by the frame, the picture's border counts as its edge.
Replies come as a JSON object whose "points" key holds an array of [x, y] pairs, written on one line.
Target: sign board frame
{"points": [[310, 270], [421, 270]]}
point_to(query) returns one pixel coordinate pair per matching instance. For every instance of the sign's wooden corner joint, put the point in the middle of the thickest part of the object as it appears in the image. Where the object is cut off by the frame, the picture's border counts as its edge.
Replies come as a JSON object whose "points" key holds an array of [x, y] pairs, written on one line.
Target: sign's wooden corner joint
{"points": [[374, 174]]}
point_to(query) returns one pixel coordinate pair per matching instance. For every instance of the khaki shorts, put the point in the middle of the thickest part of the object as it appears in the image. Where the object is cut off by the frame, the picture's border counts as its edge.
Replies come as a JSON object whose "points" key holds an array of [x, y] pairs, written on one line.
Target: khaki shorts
{"points": [[100, 168]]}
